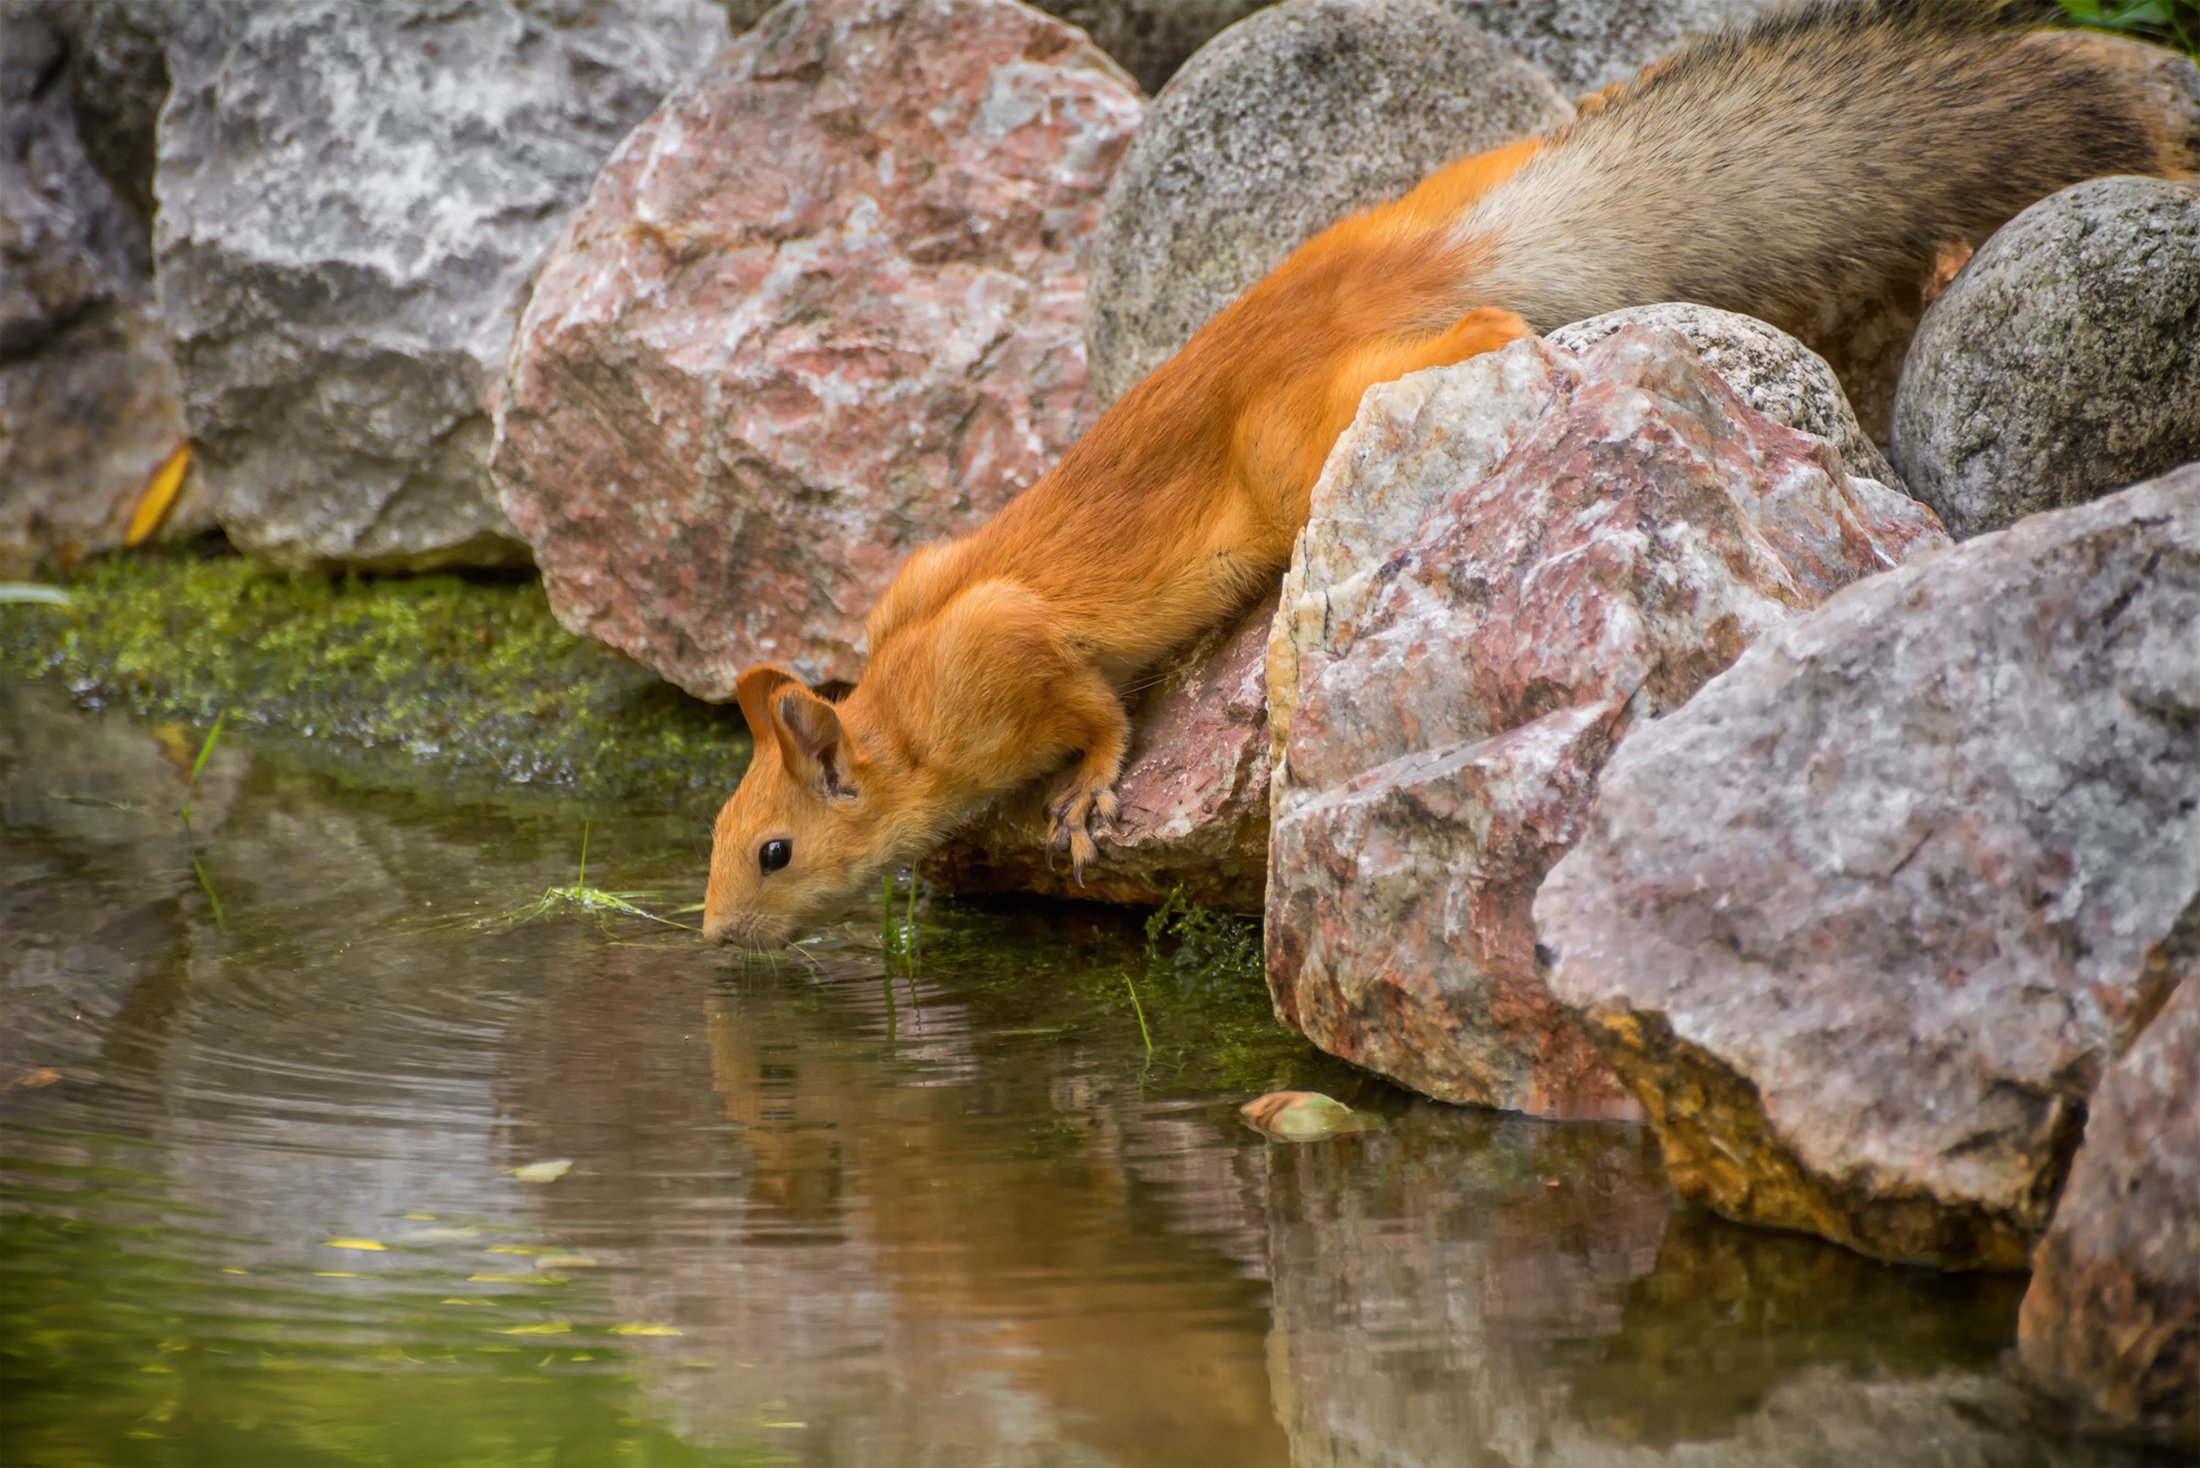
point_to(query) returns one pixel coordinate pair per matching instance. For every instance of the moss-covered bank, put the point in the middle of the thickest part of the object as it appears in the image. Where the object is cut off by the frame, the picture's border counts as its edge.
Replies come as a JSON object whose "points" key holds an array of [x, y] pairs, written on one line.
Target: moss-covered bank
{"points": [[463, 674]]}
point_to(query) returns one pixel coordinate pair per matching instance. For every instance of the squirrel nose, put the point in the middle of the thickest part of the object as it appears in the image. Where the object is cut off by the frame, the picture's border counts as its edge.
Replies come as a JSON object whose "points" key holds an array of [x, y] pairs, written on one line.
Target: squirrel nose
{"points": [[717, 929]]}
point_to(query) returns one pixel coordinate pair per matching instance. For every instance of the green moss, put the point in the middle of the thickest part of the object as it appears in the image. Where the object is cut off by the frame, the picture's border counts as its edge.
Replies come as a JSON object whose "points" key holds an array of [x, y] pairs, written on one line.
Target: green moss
{"points": [[464, 674]]}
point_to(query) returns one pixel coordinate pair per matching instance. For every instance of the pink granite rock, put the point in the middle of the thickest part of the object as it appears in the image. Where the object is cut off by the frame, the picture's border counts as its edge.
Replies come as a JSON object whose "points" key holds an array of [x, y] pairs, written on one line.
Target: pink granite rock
{"points": [[1194, 796], [2112, 1319], [1865, 922], [1512, 563], [822, 307]]}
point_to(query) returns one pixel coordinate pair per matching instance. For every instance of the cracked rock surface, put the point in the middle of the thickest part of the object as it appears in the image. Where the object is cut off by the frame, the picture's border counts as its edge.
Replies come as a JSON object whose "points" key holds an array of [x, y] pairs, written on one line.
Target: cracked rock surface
{"points": [[823, 307], [1512, 564], [352, 200], [1864, 923]]}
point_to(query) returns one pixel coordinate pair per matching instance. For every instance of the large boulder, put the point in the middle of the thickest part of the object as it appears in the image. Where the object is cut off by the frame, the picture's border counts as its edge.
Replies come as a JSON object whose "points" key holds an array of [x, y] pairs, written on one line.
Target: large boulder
{"points": [[1511, 563], [1590, 44], [2113, 1316], [1193, 792], [1863, 924], [821, 308], [2063, 362], [1240, 160], [89, 399], [352, 199]]}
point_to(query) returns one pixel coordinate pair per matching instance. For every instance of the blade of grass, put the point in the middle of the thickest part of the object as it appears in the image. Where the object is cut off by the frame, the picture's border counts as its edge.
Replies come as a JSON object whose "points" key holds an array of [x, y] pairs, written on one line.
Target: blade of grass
{"points": [[1139, 1010]]}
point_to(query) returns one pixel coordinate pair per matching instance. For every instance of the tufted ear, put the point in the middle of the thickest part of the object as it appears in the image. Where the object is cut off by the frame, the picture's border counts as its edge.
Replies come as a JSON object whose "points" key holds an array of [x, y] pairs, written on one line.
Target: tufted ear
{"points": [[811, 741], [753, 691]]}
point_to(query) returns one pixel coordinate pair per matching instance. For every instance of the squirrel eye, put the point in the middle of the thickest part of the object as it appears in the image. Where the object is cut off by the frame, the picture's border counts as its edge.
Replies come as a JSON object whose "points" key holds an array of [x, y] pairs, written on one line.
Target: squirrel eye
{"points": [[775, 854]]}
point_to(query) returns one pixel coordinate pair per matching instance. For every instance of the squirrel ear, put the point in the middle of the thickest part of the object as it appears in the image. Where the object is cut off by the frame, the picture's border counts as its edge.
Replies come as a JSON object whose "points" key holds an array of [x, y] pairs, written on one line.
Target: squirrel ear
{"points": [[811, 741], [753, 691]]}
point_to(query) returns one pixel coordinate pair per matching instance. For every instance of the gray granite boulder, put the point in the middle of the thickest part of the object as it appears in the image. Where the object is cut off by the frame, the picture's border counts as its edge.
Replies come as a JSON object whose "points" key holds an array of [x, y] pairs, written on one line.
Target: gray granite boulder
{"points": [[2112, 1320], [1590, 44], [2063, 362], [1771, 371], [1864, 922], [1278, 127], [89, 398], [353, 199]]}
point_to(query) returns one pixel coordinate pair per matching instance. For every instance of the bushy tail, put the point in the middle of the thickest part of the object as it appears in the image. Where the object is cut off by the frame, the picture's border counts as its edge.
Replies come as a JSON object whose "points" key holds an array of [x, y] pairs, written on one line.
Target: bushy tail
{"points": [[1818, 156]]}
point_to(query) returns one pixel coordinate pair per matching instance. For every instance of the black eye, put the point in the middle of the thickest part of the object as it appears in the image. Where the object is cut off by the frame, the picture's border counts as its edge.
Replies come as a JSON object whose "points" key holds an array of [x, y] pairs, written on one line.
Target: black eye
{"points": [[775, 855]]}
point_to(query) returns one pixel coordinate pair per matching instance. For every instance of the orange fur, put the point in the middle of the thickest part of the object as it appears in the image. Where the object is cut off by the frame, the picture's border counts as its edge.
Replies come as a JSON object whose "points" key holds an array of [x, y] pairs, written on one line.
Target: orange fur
{"points": [[1003, 656]]}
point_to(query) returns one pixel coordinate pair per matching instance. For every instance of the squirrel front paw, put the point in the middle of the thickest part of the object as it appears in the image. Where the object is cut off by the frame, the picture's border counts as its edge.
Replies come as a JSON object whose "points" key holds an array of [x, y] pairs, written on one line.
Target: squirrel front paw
{"points": [[1075, 816]]}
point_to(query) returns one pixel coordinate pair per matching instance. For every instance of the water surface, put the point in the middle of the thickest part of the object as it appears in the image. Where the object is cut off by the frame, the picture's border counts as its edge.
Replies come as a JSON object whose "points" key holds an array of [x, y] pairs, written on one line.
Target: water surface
{"points": [[282, 1097]]}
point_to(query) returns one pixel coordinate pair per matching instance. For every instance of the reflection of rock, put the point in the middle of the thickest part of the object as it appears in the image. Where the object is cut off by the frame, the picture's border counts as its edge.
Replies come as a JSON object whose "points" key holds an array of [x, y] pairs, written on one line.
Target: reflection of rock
{"points": [[89, 398], [1240, 160], [96, 885], [822, 307], [2113, 1317], [2063, 363], [1838, 1417], [1428, 1279], [353, 199], [1510, 564], [1863, 923], [1194, 796], [1729, 1314]]}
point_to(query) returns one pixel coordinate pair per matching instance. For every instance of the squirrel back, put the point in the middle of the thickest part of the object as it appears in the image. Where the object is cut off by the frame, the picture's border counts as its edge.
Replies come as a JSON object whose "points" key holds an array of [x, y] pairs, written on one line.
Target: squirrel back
{"points": [[1815, 156]]}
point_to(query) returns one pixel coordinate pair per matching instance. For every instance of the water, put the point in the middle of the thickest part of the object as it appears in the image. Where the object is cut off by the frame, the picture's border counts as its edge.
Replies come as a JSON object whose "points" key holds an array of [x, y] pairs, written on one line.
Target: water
{"points": [[273, 1127]]}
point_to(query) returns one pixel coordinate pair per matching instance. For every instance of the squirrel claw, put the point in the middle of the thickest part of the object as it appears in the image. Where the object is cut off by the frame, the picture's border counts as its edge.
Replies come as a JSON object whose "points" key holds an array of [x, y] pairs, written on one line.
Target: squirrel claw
{"points": [[1076, 816]]}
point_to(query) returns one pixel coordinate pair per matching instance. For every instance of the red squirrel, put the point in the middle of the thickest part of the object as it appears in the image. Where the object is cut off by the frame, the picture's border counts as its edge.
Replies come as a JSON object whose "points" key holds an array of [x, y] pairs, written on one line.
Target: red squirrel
{"points": [[1821, 154]]}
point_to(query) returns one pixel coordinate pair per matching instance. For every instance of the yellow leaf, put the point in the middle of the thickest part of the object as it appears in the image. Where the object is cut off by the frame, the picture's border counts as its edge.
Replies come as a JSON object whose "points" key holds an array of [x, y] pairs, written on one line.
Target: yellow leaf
{"points": [[336, 1274], [544, 1172], [370, 1245], [159, 494], [456, 1300], [646, 1330], [555, 1327]]}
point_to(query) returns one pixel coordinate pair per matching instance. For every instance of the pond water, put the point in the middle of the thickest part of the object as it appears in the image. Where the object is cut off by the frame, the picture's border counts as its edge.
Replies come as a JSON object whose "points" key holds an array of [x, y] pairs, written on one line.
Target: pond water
{"points": [[318, 1147]]}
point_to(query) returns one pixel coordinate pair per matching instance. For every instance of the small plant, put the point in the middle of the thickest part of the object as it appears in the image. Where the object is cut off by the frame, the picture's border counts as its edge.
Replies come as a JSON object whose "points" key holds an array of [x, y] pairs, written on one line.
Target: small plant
{"points": [[582, 898], [1207, 942], [2171, 22], [190, 793]]}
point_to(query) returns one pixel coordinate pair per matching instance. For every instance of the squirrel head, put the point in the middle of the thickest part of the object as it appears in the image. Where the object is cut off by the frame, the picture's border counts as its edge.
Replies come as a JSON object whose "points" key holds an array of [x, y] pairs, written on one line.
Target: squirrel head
{"points": [[806, 832]]}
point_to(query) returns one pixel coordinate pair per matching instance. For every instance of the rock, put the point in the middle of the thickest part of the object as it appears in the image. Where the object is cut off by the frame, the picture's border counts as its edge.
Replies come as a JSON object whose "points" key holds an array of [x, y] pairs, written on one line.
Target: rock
{"points": [[1590, 44], [342, 263], [2113, 1316], [1150, 39], [118, 81], [1194, 797], [2063, 361], [1510, 564], [89, 399], [1771, 371], [821, 308], [1239, 161], [1304, 1116], [1863, 923]]}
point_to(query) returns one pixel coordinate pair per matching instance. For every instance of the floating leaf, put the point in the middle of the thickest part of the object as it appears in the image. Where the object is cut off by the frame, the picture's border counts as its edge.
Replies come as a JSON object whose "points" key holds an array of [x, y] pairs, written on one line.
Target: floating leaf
{"points": [[159, 494], [544, 1172], [33, 594], [646, 1330], [554, 1327], [1304, 1116], [371, 1246]]}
